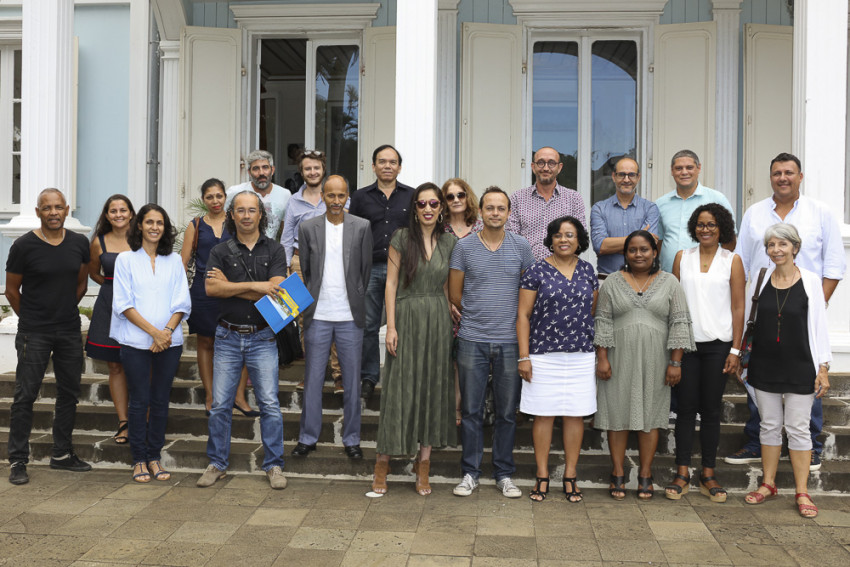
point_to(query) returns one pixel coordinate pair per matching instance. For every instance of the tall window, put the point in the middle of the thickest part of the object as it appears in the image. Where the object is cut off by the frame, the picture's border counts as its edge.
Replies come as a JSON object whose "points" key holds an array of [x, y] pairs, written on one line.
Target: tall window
{"points": [[10, 127], [584, 104]]}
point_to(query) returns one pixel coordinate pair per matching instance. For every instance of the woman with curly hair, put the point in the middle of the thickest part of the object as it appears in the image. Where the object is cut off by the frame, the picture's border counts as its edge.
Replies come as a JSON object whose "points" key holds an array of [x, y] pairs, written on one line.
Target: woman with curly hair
{"points": [[151, 300]]}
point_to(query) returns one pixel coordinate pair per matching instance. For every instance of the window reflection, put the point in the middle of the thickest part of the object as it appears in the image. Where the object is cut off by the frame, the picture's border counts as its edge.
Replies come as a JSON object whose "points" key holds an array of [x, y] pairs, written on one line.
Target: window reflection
{"points": [[337, 107]]}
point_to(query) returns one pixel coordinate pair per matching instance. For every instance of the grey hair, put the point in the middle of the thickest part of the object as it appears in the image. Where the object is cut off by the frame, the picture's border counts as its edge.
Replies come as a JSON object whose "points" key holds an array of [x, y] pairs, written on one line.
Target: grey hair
{"points": [[783, 231], [50, 190], [258, 155], [685, 153]]}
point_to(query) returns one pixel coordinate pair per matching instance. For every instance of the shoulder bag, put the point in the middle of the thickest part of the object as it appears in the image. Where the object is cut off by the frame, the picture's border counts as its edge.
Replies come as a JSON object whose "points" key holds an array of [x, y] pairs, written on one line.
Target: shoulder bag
{"points": [[747, 340], [192, 265]]}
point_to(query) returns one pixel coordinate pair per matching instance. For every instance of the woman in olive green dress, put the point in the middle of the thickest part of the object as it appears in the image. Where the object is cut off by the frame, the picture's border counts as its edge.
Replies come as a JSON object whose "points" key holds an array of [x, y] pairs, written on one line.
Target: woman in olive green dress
{"points": [[417, 396]]}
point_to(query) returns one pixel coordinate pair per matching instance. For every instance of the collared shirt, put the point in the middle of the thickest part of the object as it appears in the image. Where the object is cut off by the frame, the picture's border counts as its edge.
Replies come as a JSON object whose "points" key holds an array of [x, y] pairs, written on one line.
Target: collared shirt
{"points": [[385, 215], [531, 214], [332, 303], [608, 219], [156, 294], [821, 252], [275, 202], [298, 210], [675, 213], [264, 262]]}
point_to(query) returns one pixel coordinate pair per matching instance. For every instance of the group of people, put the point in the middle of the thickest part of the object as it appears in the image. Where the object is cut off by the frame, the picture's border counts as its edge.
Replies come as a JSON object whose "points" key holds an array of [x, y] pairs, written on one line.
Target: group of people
{"points": [[475, 291]]}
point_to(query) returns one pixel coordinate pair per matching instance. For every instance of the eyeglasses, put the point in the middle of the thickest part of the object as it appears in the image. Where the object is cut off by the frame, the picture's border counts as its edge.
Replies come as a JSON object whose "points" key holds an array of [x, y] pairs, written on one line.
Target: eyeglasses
{"points": [[709, 226], [623, 174], [565, 235], [455, 196], [552, 164], [433, 203]]}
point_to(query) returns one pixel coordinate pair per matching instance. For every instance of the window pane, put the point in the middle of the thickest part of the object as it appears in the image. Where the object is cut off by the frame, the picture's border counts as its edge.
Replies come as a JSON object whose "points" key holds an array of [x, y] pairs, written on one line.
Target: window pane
{"points": [[16, 179], [17, 88], [16, 128], [555, 103], [337, 108], [614, 103]]}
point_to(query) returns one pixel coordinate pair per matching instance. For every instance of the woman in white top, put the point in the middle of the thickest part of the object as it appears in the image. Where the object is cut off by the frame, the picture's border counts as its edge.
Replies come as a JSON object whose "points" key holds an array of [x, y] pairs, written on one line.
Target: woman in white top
{"points": [[151, 298], [714, 280]]}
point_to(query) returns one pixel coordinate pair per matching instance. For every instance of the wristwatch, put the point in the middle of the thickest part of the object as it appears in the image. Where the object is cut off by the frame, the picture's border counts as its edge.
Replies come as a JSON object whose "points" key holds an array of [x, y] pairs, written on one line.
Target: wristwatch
{"points": [[825, 365], [675, 363], [735, 351]]}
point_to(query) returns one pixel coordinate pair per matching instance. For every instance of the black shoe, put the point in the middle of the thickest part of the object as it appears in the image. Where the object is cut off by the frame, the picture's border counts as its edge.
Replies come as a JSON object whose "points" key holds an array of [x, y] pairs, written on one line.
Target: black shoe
{"points": [[354, 452], [366, 389], [18, 473], [70, 463], [248, 412], [302, 450]]}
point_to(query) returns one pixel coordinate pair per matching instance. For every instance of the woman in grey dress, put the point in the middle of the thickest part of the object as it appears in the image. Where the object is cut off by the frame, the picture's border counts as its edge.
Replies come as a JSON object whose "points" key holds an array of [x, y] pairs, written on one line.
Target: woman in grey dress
{"points": [[642, 330]]}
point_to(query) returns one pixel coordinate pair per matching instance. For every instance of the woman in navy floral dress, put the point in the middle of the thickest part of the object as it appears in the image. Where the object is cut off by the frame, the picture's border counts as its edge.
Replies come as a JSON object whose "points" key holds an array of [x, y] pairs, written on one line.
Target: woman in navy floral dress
{"points": [[557, 297]]}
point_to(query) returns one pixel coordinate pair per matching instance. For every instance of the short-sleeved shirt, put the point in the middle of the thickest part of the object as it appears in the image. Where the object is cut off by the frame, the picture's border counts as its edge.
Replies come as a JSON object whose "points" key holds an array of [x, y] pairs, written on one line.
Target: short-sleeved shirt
{"points": [[266, 261], [608, 219], [561, 320], [385, 215], [531, 214], [49, 281], [675, 213], [275, 203], [490, 287]]}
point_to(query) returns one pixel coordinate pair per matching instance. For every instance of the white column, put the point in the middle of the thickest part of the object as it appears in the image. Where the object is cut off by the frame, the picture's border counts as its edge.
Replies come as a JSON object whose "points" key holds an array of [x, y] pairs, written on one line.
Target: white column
{"points": [[416, 89], [170, 197], [46, 105], [446, 140], [727, 14]]}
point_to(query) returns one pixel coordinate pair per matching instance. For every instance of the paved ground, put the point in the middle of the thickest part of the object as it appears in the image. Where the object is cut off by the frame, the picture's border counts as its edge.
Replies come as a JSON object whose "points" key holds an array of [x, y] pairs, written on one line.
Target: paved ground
{"points": [[102, 518]]}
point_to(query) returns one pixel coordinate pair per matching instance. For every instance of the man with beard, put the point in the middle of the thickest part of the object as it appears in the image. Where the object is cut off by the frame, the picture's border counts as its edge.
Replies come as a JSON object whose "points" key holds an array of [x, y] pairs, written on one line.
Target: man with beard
{"points": [[274, 197]]}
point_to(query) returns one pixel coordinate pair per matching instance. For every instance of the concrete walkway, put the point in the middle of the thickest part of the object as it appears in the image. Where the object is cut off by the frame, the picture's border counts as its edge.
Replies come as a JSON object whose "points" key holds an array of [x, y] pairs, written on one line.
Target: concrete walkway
{"points": [[103, 518]]}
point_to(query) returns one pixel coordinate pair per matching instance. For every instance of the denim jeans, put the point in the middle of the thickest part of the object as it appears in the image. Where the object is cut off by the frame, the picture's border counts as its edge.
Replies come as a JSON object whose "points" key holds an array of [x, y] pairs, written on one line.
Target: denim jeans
{"points": [[149, 379], [371, 361], [753, 426], [258, 352], [34, 350], [475, 363]]}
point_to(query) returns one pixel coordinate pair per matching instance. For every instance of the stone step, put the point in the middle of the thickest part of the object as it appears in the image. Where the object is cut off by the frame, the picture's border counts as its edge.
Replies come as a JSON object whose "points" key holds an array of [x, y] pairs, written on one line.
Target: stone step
{"points": [[189, 455]]}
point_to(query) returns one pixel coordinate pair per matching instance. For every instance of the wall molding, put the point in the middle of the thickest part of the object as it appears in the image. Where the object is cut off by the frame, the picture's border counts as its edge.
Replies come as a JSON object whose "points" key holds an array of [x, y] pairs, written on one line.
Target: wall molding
{"points": [[304, 17]]}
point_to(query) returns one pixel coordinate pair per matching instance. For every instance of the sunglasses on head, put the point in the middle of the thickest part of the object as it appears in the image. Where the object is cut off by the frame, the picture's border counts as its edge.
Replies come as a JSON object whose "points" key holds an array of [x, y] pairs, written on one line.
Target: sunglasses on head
{"points": [[433, 203], [455, 196], [312, 153]]}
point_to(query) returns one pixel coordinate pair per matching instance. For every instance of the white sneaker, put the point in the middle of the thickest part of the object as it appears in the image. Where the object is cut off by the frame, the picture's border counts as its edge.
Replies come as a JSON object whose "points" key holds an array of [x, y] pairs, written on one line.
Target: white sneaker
{"points": [[508, 488], [466, 486], [276, 478]]}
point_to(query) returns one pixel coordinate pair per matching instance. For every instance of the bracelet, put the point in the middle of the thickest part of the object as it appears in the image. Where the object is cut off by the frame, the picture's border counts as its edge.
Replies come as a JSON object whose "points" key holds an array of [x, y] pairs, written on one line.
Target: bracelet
{"points": [[169, 329], [523, 359], [675, 363], [735, 351]]}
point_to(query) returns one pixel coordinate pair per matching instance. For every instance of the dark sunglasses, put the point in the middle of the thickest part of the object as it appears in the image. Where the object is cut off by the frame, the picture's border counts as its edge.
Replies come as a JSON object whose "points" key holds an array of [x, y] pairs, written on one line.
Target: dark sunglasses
{"points": [[456, 197], [433, 203]]}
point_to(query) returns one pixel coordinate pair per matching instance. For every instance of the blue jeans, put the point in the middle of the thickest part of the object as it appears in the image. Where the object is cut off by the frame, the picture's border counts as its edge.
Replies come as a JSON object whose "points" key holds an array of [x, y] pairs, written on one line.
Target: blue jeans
{"points": [[475, 363], [149, 378], [34, 350], [371, 361], [258, 352], [753, 426]]}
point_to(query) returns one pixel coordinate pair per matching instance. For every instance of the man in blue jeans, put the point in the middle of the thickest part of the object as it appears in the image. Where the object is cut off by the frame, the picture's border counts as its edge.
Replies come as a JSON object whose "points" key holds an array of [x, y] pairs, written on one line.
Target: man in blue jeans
{"points": [[484, 275], [240, 271]]}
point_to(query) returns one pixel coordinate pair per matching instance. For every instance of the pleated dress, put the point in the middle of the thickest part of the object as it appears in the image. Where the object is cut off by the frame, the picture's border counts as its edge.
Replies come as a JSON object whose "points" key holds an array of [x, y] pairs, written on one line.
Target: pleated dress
{"points": [[417, 395]]}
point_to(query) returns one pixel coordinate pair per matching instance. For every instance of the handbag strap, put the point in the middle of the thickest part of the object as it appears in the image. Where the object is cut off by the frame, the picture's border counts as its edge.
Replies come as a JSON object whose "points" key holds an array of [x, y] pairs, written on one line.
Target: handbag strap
{"points": [[231, 244], [755, 301], [197, 222]]}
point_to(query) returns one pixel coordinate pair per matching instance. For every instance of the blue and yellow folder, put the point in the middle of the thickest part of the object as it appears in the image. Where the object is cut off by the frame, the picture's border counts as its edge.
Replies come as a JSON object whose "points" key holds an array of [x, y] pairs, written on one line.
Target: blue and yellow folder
{"points": [[290, 301]]}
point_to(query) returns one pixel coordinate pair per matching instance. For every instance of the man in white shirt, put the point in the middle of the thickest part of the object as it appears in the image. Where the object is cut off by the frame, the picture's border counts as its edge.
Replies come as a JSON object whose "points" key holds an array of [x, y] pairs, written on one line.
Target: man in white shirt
{"points": [[336, 261], [822, 252], [274, 197]]}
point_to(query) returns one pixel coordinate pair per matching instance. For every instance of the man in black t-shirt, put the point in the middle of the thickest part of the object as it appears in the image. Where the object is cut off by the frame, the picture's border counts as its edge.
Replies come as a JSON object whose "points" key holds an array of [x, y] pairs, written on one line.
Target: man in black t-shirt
{"points": [[46, 276]]}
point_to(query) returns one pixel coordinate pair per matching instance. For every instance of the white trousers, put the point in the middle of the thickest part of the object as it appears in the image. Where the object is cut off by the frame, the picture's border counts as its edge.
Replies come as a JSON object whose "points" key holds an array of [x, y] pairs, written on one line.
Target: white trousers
{"points": [[795, 416]]}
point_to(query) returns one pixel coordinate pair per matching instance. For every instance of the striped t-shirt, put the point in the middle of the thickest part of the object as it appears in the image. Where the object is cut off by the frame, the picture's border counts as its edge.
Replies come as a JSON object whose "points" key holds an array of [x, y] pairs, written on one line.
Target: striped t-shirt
{"points": [[490, 287]]}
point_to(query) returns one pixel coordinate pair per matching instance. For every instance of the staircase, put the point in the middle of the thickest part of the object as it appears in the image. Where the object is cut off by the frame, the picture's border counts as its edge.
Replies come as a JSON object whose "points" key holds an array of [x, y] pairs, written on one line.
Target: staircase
{"points": [[185, 447]]}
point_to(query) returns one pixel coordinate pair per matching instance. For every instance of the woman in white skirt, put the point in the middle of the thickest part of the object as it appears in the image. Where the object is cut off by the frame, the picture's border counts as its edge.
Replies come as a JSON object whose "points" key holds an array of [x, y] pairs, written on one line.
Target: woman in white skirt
{"points": [[557, 298]]}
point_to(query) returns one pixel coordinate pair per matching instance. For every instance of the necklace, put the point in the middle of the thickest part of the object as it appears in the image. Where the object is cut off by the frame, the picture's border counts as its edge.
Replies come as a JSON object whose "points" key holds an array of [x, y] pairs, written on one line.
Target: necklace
{"points": [[41, 235], [487, 246], [569, 265], [779, 308], [644, 286]]}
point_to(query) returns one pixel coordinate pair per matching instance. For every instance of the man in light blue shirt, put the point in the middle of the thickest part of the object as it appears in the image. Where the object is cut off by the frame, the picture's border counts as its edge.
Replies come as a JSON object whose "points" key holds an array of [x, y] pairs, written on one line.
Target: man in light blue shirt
{"points": [[613, 219], [676, 207]]}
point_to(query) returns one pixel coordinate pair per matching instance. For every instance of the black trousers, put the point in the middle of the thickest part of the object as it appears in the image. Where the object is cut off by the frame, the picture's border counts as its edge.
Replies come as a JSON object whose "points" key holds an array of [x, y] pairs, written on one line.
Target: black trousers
{"points": [[701, 391]]}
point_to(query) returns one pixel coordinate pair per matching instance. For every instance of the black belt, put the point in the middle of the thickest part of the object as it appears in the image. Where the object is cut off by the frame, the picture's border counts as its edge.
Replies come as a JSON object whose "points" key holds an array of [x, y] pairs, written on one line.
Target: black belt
{"points": [[602, 276], [242, 329]]}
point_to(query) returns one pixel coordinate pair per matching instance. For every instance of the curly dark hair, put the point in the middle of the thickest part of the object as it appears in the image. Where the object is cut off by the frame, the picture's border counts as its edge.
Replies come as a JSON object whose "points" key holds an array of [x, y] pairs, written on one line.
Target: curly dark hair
{"points": [[722, 217], [656, 263], [102, 226], [230, 223], [414, 248], [165, 246], [581, 233]]}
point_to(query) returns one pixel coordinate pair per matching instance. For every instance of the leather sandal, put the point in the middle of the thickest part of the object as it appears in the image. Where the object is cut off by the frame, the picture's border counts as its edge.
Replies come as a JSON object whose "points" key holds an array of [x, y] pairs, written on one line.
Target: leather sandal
{"points": [[806, 510], [618, 491], [379, 483], [756, 497], [143, 475], [676, 491], [159, 473], [646, 488], [422, 469], [574, 493], [538, 494], [120, 436], [716, 493]]}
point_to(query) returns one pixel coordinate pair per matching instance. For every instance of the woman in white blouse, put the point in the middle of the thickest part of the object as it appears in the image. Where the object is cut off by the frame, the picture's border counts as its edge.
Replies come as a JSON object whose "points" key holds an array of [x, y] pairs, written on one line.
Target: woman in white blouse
{"points": [[151, 298], [713, 279]]}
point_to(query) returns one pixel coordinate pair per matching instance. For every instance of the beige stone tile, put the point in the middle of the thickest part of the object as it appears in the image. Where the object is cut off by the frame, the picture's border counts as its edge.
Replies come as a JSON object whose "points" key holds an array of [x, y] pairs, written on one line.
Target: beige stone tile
{"points": [[680, 531], [262, 536], [741, 533], [277, 517], [506, 507], [119, 508], [180, 554], [243, 554], [756, 555], [196, 511], [700, 552], [443, 523], [343, 501], [568, 563], [143, 529], [636, 550], [507, 526], [619, 530], [59, 505], [89, 525], [373, 559], [563, 529], [382, 542], [568, 546], [839, 534], [779, 512], [119, 550], [506, 546], [502, 562], [439, 543], [203, 532], [28, 523], [190, 494], [819, 555], [438, 561], [670, 513], [137, 491], [800, 535], [390, 521], [14, 544], [832, 517], [238, 497], [333, 519], [290, 557], [622, 512], [83, 563], [56, 548], [254, 481], [724, 515], [316, 538], [87, 489], [40, 562]]}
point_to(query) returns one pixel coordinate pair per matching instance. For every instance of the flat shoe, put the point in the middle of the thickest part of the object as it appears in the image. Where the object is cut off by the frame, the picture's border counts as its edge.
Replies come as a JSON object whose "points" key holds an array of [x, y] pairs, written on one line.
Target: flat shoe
{"points": [[160, 474], [757, 497], [143, 476], [804, 508], [538, 494], [574, 493], [645, 490]]}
